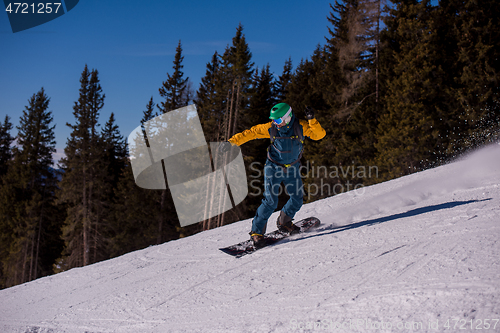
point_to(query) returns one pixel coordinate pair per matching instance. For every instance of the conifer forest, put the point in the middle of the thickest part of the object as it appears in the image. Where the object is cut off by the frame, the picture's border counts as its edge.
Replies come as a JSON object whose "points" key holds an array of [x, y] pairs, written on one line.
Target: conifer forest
{"points": [[398, 86]]}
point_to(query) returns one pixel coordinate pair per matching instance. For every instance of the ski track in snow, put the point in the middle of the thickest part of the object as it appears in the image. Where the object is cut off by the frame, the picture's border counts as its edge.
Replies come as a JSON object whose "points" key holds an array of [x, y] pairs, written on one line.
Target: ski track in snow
{"points": [[415, 250]]}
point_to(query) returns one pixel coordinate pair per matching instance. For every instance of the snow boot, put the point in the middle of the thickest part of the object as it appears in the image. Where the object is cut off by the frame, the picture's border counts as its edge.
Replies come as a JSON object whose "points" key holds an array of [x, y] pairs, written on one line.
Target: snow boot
{"points": [[285, 225], [258, 240]]}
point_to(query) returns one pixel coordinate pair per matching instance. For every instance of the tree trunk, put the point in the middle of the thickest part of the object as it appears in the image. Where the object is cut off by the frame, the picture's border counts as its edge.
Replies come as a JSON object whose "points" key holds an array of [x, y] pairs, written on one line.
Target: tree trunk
{"points": [[25, 259], [237, 108], [85, 221], [161, 216], [38, 246], [95, 237]]}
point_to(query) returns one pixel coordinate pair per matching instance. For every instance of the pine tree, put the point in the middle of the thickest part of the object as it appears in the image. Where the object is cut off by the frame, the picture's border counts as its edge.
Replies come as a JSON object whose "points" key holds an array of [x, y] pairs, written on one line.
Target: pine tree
{"points": [[476, 33], [211, 100], [283, 81], [408, 135], [240, 57], [149, 113], [334, 80], [83, 175], [176, 94], [115, 149], [111, 166], [354, 57], [350, 54], [239, 68], [175, 89], [28, 217]]}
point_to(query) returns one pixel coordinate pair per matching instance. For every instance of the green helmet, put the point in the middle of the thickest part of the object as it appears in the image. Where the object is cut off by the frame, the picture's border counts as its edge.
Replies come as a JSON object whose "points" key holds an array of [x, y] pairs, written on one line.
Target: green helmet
{"points": [[279, 110]]}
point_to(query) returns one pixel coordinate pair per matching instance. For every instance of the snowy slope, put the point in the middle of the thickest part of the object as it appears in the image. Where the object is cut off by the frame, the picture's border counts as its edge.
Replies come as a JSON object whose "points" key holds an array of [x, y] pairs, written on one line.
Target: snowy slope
{"points": [[421, 251]]}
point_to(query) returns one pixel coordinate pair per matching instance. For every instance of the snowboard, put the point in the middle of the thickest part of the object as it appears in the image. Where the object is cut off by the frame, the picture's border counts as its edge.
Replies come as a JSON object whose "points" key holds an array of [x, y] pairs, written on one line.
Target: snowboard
{"points": [[246, 247]]}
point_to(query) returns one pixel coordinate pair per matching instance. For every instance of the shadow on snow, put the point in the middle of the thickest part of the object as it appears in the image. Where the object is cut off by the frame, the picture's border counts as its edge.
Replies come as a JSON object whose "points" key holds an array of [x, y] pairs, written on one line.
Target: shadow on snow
{"points": [[410, 213]]}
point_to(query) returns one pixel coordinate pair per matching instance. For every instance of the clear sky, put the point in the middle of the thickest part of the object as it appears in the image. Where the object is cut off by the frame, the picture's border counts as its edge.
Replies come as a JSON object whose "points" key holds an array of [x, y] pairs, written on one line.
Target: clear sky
{"points": [[132, 45]]}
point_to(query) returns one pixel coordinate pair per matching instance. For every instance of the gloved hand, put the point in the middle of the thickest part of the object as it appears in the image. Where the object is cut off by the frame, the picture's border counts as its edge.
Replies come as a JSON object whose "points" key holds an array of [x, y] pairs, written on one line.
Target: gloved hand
{"points": [[309, 111], [224, 147]]}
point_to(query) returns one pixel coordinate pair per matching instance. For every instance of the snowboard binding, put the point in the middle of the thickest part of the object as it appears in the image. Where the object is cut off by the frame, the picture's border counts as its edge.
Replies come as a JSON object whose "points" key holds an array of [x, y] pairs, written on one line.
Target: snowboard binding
{"points": [[285, 225]]}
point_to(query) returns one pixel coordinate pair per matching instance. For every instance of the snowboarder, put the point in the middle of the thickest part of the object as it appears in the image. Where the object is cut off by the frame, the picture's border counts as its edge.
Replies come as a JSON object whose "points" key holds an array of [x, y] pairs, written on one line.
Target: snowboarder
{"points": [[282, 165]]}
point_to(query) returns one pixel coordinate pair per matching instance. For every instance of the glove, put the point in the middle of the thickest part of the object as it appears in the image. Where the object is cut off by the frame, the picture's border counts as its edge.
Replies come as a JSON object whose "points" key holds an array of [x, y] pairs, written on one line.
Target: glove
{"points": [[309, 111], [224, 147]]}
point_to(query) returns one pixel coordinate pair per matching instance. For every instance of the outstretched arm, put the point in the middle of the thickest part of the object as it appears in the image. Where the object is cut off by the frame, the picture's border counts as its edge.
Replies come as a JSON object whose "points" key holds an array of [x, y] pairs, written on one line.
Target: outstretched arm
{"points": [[256, 132], [312, 128]]}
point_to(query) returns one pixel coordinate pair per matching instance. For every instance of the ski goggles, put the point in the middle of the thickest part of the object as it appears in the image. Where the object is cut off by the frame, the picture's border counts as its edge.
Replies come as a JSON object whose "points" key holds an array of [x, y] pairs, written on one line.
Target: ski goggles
{"points": [[285, 119]]}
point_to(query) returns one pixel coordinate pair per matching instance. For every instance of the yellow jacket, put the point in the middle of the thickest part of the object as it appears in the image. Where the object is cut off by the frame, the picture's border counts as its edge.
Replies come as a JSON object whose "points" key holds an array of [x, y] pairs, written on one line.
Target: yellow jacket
{"points": [[311, 128]]}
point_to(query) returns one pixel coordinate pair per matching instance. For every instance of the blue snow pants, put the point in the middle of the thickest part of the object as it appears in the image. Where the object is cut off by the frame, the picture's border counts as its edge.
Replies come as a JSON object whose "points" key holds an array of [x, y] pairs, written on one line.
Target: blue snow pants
{"points": [[274, 175]]}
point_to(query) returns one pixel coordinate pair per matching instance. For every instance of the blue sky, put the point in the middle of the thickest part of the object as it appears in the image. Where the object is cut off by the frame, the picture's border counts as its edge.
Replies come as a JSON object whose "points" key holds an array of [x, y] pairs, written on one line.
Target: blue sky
{"points": [[132, 45]]}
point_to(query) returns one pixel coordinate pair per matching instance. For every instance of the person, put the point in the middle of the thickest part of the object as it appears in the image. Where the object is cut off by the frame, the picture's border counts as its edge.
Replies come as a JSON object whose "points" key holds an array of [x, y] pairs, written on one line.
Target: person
{"points": [[282, 164]]}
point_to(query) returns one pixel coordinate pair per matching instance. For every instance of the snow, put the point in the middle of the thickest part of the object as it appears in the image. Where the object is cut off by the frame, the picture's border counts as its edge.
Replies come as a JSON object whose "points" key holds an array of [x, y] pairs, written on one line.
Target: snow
{"points": [[416, 254]]}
